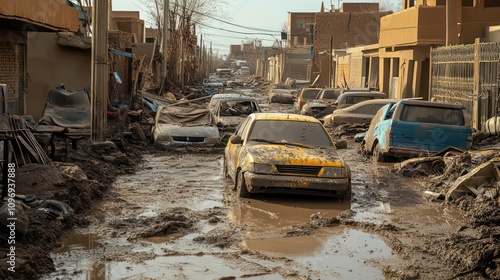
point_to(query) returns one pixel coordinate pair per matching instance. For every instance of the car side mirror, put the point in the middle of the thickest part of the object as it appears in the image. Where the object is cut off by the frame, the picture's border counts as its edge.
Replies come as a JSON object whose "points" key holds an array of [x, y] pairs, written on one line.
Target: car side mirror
{"points": [[236, 140]]}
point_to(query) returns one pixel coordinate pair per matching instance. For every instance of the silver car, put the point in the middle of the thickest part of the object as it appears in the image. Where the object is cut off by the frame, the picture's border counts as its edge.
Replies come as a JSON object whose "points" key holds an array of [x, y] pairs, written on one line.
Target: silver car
{"points": [[184, 125], [360, 113]]}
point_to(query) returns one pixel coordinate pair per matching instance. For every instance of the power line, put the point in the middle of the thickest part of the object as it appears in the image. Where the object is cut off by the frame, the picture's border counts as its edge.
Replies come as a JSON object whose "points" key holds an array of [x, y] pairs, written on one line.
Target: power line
{"points": [[234, 37], [234, 24]]}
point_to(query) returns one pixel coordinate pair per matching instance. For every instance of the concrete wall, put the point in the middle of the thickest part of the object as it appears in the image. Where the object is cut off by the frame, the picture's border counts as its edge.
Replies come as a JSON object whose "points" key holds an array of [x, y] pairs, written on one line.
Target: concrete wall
{"points": [[426, 25], [49, 64], [47, 13], [492, 33]]}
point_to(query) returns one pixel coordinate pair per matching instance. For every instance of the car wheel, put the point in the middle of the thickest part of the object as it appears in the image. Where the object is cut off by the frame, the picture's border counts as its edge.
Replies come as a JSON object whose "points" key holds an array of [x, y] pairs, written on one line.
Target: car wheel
{"points": [[377, 154], [241, 187]]}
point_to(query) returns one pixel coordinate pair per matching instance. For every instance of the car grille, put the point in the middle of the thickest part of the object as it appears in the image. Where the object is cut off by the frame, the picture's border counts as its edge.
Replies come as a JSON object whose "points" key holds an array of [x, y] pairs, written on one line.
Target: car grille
{"points": [[299, 169], [188, 139]]}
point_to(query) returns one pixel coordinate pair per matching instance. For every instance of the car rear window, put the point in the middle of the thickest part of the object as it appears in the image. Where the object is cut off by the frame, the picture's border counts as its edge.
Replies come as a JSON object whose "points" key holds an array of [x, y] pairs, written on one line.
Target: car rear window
{"points": [[331, 94], [307, 133], [310, 94], [436, 115]]}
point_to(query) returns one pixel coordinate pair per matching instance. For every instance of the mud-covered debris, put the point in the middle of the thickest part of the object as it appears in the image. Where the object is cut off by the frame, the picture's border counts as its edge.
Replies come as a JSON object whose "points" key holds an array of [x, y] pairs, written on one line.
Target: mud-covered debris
{"points": [[106, 151], [409, 273], [220, 238], [316, 222], [341, 144], [423, 166], [482, 180], [175, 221], [71, 171], [346, 129]]}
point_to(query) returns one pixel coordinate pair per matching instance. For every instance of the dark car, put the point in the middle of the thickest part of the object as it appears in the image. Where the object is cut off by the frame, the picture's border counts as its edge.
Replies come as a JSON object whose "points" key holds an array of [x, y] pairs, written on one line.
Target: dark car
{"points": [[306, 94], [361, 113], [323, 104], [350, 98], [280, 93]]}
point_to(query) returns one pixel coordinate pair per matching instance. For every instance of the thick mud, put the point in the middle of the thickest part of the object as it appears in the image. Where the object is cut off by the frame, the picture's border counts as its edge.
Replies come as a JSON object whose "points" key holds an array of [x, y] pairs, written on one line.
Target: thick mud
{"points": [[173, 215]]}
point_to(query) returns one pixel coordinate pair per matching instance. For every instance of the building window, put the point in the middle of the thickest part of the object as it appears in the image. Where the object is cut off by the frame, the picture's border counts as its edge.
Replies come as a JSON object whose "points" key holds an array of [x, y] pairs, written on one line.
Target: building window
{"points": [[491, 3], [301, 23]]}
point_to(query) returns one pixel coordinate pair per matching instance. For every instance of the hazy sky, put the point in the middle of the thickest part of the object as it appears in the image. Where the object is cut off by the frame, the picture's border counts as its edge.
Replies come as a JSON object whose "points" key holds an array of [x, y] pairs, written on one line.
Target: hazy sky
{"points": [[266, 14]]}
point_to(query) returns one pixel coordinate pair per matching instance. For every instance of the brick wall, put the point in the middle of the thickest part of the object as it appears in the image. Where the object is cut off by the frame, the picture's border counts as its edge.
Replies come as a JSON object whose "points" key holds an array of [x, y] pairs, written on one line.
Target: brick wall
{"points": [[12, 71], [347, 29]]}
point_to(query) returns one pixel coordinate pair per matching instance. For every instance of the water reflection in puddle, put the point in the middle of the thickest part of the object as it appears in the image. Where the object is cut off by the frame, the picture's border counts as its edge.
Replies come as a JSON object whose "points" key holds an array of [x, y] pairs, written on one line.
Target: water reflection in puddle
{"points": [[79, 241]]}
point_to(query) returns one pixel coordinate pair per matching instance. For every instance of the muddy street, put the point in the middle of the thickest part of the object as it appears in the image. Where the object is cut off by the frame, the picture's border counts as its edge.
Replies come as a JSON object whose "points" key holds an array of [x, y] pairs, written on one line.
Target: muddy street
{"points": [[177, 217]]}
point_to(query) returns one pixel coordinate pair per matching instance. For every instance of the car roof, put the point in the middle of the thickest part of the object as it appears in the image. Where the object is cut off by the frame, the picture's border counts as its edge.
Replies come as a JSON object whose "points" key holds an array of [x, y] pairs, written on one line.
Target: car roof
{"points": [[284, 116], [367, 102], [229, 95], [431, 103], [239, 98], [363, 93], [355, 89]]}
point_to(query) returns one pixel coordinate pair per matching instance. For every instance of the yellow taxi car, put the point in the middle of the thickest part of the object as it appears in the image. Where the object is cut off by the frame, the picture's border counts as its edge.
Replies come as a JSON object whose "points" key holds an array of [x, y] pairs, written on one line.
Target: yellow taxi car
{"points": [[278, 152]]}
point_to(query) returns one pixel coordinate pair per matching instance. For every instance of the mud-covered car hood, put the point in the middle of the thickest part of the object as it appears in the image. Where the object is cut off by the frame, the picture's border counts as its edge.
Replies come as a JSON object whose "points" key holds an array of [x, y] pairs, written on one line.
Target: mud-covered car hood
{"points": [[231, 120], [282, 154], [190, 131]]}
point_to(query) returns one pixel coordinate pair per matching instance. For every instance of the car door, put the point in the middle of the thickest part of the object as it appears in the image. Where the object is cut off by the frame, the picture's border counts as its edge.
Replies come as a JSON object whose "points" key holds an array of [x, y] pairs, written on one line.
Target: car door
{"points": [[233, 150]]}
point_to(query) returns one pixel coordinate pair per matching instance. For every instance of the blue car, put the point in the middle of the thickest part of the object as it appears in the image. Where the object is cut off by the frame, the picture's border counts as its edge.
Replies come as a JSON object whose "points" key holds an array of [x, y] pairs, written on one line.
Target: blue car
{"points": [[410, 128]]}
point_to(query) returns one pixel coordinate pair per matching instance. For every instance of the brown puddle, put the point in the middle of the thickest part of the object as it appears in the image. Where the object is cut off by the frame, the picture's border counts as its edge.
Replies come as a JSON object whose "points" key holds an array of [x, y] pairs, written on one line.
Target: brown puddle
{"points": [[80, 241]]}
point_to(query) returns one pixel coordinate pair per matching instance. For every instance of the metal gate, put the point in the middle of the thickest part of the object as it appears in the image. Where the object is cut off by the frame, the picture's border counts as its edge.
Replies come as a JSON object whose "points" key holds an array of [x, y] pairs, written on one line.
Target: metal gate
{"points": [[468, 75]]}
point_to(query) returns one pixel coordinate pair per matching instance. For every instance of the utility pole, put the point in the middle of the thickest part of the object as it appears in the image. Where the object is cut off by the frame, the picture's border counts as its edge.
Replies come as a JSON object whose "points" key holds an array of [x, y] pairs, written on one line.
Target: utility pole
{"points": [[164, 70], [181, 76], [200, 56], [210, 60], [110, 17], [100, 71], [331, 63]]}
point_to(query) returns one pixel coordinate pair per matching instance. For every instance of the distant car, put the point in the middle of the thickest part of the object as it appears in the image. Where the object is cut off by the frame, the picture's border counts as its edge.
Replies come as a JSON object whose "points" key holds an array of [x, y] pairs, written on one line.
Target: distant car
{"points": [[230, 112], [344, 90], [278, 152], [184, 125], [212, 83], [280, 93], [410, 128], [297, 84], [360, 113], [322, 105], [330, 93], [350, 98], [306, 94], [220, 96]]}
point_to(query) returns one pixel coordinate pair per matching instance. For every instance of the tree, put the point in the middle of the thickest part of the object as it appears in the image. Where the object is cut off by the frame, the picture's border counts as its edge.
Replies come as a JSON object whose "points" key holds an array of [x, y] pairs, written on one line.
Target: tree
{"points": [[390, 5], [183, 17]]}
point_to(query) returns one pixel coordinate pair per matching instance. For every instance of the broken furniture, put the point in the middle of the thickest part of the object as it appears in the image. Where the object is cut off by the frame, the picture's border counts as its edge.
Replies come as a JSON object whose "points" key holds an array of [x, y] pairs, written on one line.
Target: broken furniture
{"points": [[66, 115]]}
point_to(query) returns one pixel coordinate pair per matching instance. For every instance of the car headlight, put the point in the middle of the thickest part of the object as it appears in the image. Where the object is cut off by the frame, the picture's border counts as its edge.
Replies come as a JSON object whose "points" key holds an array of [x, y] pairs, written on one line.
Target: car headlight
{"points": [[332, 172], [263, 168]]}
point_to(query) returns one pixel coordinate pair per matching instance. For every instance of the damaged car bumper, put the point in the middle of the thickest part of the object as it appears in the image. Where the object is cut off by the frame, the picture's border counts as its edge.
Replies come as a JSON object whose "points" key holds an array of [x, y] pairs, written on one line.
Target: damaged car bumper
{"points": [[261, 183]]}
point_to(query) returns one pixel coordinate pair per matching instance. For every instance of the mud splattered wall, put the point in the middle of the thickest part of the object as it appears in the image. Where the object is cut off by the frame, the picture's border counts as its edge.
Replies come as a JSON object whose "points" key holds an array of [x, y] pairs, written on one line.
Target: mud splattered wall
{"points": [[49, 64]]}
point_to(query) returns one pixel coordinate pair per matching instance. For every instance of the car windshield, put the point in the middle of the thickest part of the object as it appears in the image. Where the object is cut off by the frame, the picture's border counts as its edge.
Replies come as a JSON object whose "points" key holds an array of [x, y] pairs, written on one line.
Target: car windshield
{"points": [[331, 94], [310, 94], [289, 131], [436, 115]]}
